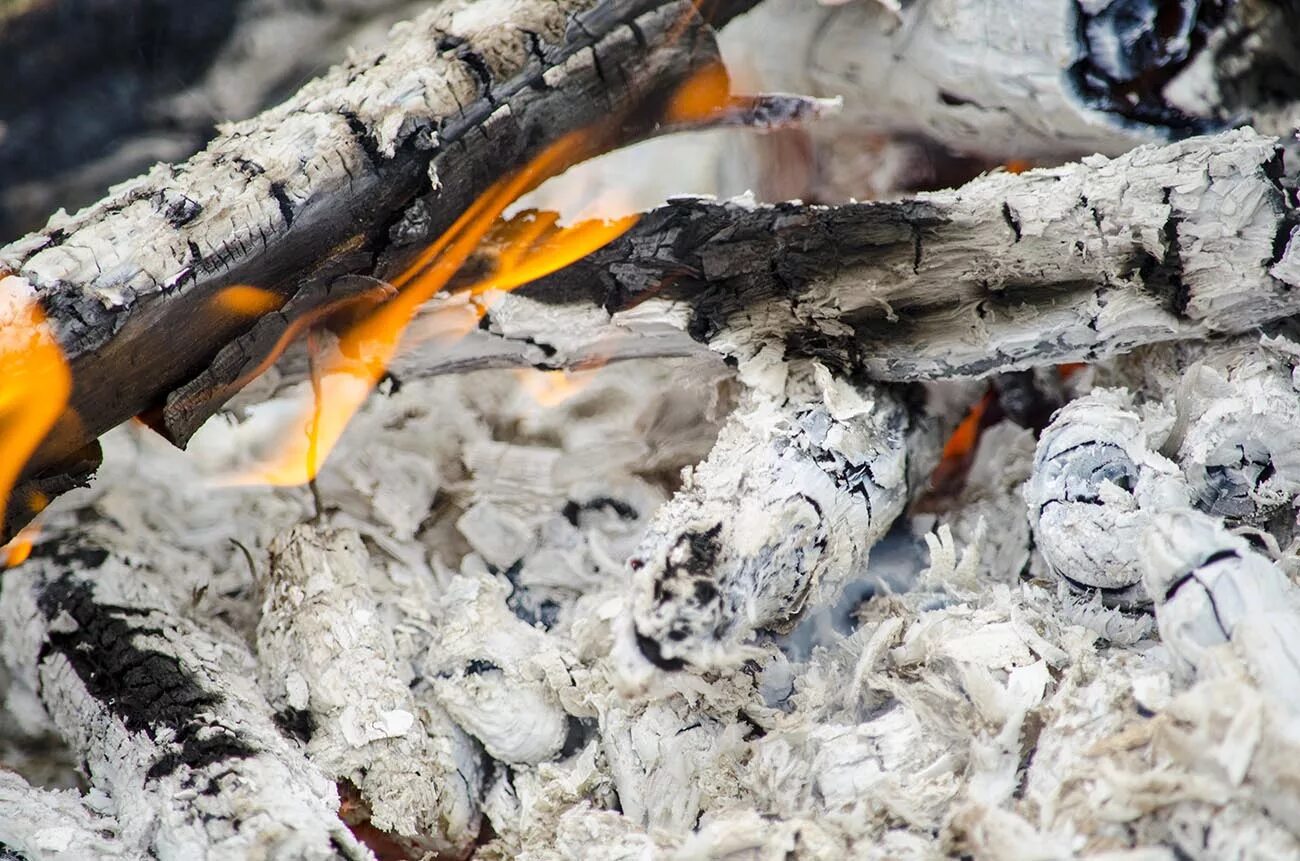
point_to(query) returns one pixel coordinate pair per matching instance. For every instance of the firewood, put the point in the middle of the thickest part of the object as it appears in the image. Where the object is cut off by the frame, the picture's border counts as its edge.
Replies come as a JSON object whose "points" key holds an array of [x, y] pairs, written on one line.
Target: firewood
{"points": [[358, 172], [1047, 79], [166, 715], [329, 663], [806, 477]]}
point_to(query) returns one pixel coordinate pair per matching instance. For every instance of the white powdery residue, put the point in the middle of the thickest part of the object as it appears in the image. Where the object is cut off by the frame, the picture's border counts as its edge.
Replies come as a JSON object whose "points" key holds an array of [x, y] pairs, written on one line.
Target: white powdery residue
{"points": [[326, 651]]}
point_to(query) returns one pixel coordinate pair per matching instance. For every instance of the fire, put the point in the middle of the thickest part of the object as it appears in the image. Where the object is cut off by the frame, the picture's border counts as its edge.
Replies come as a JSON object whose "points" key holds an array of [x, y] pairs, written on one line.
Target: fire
{"points": [[703, 94], [246, 301], [551, 388], [20, 547], [533, 246], [35, 384]]}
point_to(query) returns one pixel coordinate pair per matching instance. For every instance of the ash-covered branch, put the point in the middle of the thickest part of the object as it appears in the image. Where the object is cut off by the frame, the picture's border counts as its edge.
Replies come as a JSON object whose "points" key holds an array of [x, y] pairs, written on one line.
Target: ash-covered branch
{"points": [[807, 475], [356, 173], [166, 716], [1041, 79], [330, 667], [1075, 263]]}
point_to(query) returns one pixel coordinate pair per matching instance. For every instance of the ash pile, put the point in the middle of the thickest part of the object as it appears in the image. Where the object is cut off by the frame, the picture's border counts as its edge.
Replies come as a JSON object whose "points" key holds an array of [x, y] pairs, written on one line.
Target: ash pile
{"points": [[960, 523]]}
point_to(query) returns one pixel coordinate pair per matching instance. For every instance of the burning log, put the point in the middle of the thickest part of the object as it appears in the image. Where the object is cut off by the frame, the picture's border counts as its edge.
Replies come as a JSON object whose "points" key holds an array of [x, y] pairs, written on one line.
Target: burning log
{"points": [[1075, 263], [356, 173], [166, 714]]}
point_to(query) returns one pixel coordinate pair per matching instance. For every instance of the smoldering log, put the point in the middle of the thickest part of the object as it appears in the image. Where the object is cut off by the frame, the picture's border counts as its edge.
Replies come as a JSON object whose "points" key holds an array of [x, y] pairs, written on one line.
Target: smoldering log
{"points": [[166, 716], [1096, 482], [355, 173], [1212, 588], [809, 472], [330, 667], [1047, 79], [1236, 422], [1075, 263], [499, 677]]}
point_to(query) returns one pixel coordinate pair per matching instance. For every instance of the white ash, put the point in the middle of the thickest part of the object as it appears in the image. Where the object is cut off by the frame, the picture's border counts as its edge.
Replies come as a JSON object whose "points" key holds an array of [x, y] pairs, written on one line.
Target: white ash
{"points": [[500, 678], [331, 668], [978, 713], [1097, 480], [55, 825]]}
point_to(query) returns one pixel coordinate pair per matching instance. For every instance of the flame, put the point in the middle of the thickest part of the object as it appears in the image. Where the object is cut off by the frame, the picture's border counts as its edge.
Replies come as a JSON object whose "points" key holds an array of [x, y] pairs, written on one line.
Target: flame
{"points": [[551, 388], [963, 438], [1018, 165], [704, 93], [20, 546], [247, 301], [35, 384], [533, 247]]}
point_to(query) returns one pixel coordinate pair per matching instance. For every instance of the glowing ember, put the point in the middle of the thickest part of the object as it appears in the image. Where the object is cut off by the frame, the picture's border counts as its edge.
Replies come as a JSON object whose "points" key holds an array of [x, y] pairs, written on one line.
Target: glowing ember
{"points": [[533, 247], [34, 387]]}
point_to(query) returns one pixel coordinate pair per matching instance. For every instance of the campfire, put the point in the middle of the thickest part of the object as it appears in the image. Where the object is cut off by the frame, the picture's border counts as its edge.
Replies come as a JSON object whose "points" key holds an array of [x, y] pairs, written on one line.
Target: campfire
{"points": [[597, 430]]}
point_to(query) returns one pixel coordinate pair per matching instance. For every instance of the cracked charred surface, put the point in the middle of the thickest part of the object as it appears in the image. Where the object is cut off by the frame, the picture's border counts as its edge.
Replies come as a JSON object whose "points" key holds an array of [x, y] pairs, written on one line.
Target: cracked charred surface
{"points": [[354, 174], [168, 714], [807, 475], [1075, 263]]}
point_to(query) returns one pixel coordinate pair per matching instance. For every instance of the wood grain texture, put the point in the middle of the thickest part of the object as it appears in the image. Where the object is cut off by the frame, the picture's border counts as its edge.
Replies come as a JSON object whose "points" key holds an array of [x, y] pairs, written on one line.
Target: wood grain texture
{"points": [[354, 174]]}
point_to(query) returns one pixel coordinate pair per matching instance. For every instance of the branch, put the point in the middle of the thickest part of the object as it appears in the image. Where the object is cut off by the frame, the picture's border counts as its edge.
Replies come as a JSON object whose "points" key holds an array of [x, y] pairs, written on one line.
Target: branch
{"points": [[357, 173], [1075, 263], [165, 716], [326, 660], [1049, 79], [804, 479]]}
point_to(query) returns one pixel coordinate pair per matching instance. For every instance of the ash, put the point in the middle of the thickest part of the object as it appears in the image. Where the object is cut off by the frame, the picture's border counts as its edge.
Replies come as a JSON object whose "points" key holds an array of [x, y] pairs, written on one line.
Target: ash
{"points": [[443, 657]]}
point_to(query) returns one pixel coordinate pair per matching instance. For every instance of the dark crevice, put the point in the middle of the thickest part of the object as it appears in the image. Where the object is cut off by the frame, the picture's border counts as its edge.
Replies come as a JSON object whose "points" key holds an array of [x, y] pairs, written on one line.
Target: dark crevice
{"points": [[282, 200]]}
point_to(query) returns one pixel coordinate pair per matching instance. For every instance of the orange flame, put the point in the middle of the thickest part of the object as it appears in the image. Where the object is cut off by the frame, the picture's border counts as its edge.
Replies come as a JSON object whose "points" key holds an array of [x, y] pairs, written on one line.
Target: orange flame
{"points": [[703, 94], [247, 301], [20, 546], [35, 384], [535, 247]]}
